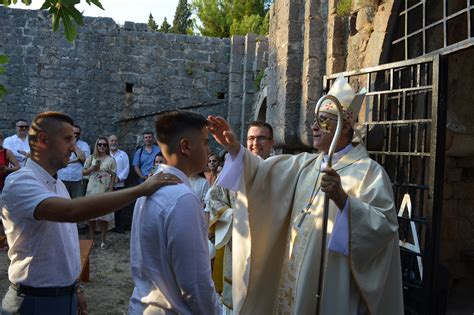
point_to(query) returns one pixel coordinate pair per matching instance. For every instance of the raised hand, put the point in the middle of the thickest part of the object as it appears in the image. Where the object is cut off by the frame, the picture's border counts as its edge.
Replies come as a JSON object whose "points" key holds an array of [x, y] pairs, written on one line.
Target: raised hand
{"points": [[221, 131]]}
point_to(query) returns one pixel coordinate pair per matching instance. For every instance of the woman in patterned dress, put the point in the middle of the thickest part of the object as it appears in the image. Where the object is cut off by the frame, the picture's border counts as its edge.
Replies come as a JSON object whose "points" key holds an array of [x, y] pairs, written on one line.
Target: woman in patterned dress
{"points": [[101, 169]]}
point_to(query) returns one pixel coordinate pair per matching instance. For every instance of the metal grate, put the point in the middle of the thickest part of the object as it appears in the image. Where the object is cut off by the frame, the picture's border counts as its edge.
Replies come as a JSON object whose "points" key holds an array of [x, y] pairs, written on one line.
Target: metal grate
{"points": [[404, 119], [431, 26]]}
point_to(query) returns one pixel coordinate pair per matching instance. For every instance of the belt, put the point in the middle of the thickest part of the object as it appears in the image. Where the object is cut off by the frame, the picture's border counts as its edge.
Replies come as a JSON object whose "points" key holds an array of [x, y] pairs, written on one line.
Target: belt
{"points": [[46, 291]]}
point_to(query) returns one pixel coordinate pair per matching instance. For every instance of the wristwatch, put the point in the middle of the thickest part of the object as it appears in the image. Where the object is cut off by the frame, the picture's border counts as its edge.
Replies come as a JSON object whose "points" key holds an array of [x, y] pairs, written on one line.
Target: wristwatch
{"points": [[79, 288]]}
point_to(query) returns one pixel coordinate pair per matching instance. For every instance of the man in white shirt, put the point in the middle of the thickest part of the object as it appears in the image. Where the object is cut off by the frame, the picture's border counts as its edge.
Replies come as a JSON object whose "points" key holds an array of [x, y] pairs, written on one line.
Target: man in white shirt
{"points": [[71, 175], [18, 143], [123, 168], [168, 248], [37, 215]]}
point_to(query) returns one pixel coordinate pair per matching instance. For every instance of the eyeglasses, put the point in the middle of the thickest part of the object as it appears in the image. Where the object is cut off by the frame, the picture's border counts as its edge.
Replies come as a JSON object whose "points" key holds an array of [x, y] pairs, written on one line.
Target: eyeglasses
{"points": [[77, 133], [23, 127], [323, 123], [259, 138], [101, 144]]}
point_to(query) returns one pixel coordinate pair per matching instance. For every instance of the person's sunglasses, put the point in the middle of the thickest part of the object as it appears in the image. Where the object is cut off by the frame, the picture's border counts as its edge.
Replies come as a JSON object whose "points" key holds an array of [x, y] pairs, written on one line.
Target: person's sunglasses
{"points": [[23, 127], [101, 144], [77, 133]]}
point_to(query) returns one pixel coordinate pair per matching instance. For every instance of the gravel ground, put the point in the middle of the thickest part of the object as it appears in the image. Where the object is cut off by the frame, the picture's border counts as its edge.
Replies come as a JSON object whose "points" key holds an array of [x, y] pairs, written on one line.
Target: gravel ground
{"points": [[110, 286]]}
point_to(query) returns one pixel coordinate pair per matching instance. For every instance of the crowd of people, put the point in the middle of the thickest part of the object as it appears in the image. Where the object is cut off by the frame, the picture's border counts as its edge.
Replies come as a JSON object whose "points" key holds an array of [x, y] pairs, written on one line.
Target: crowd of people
{"points": [[236, 232]]}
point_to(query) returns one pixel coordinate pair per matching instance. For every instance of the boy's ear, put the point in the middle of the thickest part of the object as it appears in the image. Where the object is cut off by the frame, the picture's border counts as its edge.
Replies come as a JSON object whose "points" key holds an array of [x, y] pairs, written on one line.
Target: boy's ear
{"points": [[184, 147]]}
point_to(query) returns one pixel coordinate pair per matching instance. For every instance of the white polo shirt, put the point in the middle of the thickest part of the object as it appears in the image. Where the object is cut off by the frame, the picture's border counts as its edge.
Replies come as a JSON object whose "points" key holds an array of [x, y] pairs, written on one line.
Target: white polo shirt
{"points": [[73, 171], [42, 253], [15, 144], [123, 166], [169, 254]]}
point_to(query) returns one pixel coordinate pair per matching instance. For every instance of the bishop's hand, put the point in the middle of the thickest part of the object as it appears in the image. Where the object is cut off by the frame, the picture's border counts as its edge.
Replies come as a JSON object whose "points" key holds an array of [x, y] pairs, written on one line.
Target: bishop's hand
{"points": [[221, 131], [331, 184]]}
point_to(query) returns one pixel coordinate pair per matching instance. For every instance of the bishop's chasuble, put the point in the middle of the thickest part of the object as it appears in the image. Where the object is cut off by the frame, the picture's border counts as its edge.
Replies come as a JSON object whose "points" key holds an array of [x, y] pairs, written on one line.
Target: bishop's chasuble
{"points": [[276, 252]]}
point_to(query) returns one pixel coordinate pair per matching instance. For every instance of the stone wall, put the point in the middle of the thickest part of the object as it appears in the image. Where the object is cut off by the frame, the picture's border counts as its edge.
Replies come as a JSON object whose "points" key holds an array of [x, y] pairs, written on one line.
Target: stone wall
{"points": [[296, 65], [111, 78]]}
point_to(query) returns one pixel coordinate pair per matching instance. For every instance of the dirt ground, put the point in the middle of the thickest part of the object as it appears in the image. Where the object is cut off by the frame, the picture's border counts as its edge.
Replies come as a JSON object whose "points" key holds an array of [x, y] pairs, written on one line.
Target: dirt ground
{"points": [[110, 286]]}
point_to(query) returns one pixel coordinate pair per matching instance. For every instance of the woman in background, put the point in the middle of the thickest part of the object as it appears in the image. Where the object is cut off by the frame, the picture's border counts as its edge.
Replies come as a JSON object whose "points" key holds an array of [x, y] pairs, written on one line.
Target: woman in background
{"points": [[101, 169], [8, 164], [212, 168]]}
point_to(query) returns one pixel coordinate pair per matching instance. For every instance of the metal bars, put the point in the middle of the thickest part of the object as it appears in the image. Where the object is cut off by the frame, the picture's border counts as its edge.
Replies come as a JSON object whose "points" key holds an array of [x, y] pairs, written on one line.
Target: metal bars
{"points": [[431, 27]]}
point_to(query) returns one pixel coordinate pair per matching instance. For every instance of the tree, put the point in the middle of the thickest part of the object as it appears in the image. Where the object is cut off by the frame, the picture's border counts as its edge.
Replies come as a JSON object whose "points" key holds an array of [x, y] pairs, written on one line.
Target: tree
{"points": [[62, 10], [3, 61], [151, 23], [165, 26], [182, 23], [224, 18]]}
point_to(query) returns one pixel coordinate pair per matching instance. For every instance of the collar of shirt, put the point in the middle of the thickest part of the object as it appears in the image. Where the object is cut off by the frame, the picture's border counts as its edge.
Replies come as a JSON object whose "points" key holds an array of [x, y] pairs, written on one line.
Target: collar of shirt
{"points": [[43, 175], [176, 172], [337, 155], [117, 153]]}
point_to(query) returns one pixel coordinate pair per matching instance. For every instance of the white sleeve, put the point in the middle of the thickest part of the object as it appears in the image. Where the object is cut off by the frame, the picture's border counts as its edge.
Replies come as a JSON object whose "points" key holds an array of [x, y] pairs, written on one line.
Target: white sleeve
{"points": [[125, 167], [189, 255], [232, 171], [23, 195], [339, 240]]}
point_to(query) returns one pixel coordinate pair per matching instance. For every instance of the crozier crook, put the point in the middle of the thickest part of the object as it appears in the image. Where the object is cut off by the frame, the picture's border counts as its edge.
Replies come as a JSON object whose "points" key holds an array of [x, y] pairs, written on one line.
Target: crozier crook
{"points": [[332, 148]]}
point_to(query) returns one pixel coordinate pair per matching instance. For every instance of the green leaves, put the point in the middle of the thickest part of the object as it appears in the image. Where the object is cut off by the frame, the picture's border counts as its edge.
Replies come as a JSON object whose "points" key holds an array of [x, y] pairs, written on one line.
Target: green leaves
{"points": [[3, 61], [62, 10], [224, 18]]}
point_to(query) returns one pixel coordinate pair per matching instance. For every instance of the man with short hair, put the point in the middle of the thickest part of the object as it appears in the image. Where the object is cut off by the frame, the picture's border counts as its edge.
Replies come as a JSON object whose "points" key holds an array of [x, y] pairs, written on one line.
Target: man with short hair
{"points": [[37, 215], [220, 202], [279, 223], [168, 248], [18, 143], [123, 168], [71, 175], [144, 157]]}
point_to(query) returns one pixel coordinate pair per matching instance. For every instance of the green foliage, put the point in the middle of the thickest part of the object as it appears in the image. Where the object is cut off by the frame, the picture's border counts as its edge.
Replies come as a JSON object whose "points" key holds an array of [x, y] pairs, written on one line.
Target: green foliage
{"points": [[3, 61], [189, 67], [62, 10], [343, 7], [182, 18], [151, 23], [165, 26], [224, 18], [258, 79]]}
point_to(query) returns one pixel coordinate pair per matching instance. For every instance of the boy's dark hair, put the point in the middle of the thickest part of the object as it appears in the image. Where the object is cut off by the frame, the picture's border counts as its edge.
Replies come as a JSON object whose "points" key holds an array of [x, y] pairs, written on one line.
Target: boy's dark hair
{"points": [[147, 132], [48, 122], [172, 125], [259, 123]]}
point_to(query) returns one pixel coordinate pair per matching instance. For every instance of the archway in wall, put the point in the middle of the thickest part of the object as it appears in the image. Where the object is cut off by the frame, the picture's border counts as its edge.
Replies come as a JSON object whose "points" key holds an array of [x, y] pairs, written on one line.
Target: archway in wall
{"points": [[262, 111]]}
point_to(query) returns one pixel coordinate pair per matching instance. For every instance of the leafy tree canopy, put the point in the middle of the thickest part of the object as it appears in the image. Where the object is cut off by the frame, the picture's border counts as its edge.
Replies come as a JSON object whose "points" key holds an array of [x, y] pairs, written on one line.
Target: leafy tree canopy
{"points": [[151, 23], [182, 23], [165, 26], [224, 18], [62, 11]]}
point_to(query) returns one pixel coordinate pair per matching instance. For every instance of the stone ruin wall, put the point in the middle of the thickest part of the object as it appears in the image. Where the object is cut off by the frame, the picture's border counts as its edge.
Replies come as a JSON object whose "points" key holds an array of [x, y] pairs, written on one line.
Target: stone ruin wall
{"points": [[111, 79]]}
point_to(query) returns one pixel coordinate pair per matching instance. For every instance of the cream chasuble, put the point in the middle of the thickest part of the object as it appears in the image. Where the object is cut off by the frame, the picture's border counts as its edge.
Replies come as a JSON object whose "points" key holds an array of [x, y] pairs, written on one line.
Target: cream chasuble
{"points": [[276, 259]]}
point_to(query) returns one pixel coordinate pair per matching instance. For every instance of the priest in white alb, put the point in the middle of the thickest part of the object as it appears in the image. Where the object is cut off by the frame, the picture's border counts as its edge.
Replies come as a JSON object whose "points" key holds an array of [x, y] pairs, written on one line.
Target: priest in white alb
{"points": [[277, 227]]}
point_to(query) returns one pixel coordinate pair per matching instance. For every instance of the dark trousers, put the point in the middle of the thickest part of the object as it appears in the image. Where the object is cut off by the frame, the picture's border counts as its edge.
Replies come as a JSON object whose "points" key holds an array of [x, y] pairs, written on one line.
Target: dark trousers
{"points": [[119, 224]]}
